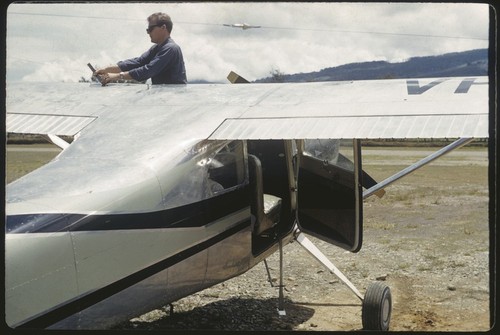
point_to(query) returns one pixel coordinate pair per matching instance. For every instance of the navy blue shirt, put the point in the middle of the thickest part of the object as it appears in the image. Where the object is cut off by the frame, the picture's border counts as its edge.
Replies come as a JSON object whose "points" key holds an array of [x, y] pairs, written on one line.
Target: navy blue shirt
{"points": [[163, 63]]}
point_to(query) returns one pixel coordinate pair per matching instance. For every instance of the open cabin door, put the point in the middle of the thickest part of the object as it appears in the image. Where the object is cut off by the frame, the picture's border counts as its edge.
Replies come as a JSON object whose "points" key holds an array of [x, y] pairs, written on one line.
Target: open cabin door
{"points": [[330, 200]]}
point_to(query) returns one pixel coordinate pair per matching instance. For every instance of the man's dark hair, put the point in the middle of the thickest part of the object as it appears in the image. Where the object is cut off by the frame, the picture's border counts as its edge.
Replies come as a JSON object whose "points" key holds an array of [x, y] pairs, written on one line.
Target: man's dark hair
{"points": [[160, 19]]}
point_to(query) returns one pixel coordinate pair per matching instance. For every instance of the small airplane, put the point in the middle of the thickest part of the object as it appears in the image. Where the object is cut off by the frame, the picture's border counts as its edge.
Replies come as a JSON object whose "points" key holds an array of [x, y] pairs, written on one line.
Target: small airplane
{"points": [[243, 26], [167, 190]]}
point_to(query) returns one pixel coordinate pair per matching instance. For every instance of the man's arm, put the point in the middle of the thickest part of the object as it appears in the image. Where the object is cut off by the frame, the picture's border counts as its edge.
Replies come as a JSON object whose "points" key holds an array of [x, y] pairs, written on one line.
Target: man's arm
{"points": [[153, 62], [109, 69]]}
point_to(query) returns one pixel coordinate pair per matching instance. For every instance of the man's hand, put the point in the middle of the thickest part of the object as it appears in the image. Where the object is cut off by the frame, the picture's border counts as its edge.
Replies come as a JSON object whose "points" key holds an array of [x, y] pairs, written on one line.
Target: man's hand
{"points": [[101, 75], [106, 77]]}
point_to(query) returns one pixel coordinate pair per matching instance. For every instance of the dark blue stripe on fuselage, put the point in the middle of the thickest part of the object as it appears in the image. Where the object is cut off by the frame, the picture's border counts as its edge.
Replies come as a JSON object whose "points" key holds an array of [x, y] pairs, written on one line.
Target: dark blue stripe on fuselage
{"points": [[191, 215]]}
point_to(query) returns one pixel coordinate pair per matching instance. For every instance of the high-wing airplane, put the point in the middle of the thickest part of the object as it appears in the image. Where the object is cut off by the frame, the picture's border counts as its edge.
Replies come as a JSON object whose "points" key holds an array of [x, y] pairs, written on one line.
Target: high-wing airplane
{"points": [[168, 190], [243, 26]]}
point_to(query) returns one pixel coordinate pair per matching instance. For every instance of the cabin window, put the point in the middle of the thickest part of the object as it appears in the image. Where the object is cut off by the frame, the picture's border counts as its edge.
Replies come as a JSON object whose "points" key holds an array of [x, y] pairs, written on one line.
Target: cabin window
{"points": [[331, 151], [210, 169], [227, 167]]}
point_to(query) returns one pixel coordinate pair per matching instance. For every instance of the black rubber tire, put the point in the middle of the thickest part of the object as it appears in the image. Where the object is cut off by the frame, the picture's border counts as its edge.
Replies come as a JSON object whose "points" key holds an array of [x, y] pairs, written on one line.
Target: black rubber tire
{"points": [[377, 307]]}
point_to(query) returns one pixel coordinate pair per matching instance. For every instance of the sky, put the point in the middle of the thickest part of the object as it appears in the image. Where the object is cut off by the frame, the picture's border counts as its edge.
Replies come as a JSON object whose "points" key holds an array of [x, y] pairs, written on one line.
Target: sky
{"points": [[53, 42]]}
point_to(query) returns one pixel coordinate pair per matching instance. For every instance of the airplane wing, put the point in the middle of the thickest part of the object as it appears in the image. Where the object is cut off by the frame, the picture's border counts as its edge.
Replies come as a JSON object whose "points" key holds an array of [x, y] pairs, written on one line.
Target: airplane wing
{"points": [[377, 109], [43, 108], [371, 109]]}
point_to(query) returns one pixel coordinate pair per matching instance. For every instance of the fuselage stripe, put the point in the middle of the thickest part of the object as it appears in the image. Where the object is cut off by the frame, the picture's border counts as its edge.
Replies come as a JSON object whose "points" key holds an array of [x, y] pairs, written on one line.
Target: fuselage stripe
{"points": [[192, 215]]}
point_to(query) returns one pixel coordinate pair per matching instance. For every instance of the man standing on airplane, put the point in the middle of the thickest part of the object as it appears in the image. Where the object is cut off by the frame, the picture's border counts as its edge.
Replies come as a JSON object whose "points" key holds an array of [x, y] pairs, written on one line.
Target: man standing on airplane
{"points": [[163, 62]]}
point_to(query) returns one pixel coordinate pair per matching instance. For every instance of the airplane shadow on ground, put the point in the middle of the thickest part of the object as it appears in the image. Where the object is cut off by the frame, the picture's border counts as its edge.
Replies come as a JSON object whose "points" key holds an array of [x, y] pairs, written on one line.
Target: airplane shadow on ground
{"points": [[231, 314]]}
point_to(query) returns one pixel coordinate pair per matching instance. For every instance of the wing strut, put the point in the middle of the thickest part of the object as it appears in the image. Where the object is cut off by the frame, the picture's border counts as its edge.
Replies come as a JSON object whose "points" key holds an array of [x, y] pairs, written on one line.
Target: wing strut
{"points": [[58, 141], [316, 253], [455, 145]]}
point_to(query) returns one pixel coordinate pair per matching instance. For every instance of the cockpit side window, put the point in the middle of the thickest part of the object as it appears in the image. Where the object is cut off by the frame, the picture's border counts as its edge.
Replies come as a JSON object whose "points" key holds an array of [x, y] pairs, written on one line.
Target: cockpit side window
{"points": [[331, 151], [227, 167], [213, 168]]}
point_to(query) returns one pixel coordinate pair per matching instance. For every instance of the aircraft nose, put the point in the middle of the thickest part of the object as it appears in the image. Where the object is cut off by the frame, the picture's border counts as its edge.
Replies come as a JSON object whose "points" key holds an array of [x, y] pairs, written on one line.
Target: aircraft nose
{"points": [[40, 270]]}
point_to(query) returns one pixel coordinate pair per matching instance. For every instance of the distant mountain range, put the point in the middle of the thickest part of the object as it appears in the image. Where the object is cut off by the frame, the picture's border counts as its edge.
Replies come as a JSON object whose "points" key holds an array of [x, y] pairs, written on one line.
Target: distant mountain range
{"points": [[467, 63]]}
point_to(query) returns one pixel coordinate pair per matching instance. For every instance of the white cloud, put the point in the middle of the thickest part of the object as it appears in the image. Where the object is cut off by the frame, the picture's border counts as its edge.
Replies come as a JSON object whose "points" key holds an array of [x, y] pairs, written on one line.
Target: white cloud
{"points": [[295, 37], [65, 69]]}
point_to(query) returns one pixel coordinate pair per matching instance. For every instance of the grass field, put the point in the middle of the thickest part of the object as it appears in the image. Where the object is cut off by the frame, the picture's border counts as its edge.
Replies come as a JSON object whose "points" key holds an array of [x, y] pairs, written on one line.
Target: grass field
{"points": [[21, 159]]}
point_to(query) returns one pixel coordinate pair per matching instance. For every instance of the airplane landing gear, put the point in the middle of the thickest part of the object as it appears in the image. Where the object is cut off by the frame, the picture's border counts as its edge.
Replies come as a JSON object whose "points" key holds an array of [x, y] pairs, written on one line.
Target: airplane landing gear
{"points": [[377, 306], [377, 302], [281, 304]]}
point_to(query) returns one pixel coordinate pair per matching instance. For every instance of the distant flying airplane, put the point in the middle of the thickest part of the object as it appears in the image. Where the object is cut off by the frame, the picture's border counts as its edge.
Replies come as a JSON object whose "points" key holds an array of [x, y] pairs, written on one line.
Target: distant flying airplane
{"points": [[167, 190], [243, 26]]}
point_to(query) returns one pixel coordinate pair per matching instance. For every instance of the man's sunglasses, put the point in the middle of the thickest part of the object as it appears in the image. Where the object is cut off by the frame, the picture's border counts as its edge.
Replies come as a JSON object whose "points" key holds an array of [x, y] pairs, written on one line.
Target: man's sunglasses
{"points": [[150, 28]]}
